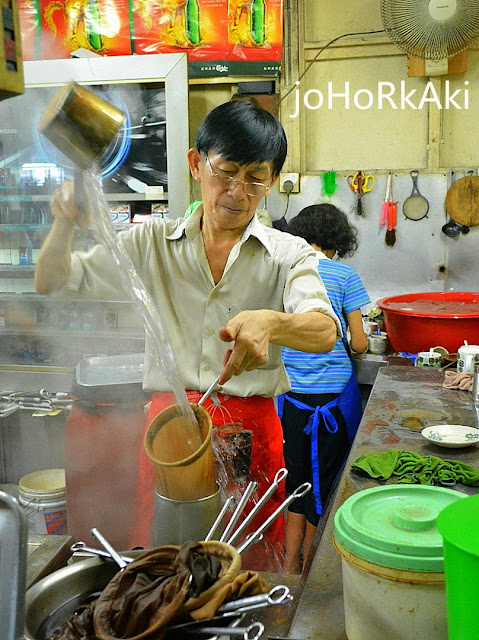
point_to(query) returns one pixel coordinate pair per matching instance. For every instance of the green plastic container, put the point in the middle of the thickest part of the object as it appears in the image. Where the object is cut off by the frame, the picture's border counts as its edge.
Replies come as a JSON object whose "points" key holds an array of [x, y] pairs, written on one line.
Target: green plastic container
{"points": [[459, 526]]}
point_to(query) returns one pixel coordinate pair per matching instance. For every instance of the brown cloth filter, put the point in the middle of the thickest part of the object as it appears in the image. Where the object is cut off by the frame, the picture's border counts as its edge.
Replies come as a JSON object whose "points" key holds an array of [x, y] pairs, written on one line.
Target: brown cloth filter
{"points": [[140, 601]]}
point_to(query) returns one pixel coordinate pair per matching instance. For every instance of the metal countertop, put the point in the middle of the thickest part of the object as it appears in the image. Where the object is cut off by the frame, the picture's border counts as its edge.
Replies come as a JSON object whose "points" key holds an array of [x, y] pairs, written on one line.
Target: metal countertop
{"points": [[403, 401]]}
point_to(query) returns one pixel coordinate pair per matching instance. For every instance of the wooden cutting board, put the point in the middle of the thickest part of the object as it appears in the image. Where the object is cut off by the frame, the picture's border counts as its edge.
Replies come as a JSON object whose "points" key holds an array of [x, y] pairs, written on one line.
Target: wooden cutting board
{"points": [[462, 201]]}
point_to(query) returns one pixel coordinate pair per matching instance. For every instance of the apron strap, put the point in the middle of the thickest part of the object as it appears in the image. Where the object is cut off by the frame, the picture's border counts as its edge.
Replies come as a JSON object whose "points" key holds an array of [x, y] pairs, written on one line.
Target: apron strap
{"points": [[312, 429]]}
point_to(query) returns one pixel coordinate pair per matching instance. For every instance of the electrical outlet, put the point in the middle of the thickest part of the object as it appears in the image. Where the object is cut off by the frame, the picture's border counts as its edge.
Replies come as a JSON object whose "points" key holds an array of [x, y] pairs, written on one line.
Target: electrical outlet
{"points": [[294, 177]]}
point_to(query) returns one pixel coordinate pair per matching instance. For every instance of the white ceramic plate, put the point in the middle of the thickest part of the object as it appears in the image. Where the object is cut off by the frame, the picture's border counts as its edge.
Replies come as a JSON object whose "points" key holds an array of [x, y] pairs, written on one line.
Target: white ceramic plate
{"points": [[451, 435]]}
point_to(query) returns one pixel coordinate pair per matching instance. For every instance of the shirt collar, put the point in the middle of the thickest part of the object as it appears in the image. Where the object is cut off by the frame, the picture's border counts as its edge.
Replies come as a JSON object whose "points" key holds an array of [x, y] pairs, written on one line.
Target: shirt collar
{"points": [[191, 228]]}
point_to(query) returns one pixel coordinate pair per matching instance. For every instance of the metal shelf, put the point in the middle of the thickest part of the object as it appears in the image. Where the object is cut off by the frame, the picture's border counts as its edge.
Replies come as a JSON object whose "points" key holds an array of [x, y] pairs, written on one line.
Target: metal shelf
{"points": [[56, 333], [16, 270], [110, 197]]}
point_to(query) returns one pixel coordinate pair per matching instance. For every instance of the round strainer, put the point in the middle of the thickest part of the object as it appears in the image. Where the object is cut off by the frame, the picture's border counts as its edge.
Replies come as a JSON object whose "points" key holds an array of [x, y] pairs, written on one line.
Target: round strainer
{"points": [[416, 206]]}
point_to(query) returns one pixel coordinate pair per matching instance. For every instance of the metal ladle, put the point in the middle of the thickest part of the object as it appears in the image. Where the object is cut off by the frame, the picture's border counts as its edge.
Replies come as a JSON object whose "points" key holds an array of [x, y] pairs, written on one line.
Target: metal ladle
{"points": [[452, 229]]}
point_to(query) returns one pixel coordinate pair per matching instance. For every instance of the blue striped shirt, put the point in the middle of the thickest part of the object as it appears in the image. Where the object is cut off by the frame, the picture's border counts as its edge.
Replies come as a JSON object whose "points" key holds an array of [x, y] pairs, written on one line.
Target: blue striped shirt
{"points": [[328, 372]]}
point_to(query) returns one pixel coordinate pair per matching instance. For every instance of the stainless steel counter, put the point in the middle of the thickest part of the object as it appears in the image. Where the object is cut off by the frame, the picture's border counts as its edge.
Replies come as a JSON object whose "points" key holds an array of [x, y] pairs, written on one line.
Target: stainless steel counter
{"points": [[403, 401]]}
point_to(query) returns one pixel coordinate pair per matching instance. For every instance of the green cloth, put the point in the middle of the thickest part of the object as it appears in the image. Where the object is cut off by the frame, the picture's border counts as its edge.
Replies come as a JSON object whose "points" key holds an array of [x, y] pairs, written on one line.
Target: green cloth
{"points": [[412, 468]]}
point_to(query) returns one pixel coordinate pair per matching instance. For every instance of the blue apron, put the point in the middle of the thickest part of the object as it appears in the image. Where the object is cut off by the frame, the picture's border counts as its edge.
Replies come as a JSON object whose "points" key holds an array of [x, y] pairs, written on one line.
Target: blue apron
{"points": [[349, 403]]}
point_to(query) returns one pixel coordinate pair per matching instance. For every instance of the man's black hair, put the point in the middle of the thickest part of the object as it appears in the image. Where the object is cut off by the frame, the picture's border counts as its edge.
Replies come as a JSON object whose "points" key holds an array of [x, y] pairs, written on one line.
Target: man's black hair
{"points": [[243, 132], [327, 227]]}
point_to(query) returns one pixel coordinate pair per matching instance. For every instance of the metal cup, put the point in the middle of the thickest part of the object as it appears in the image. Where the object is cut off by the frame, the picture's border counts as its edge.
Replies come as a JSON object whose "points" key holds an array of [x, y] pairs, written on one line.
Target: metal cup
{"points": [[177, 521], [80, 124]]}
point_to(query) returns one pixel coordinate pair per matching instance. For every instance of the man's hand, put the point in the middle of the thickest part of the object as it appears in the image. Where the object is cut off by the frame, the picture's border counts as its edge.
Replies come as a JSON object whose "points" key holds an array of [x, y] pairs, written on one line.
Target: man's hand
{"points": [[253, 331], [63, 207], [250, 331], [53, 264]]}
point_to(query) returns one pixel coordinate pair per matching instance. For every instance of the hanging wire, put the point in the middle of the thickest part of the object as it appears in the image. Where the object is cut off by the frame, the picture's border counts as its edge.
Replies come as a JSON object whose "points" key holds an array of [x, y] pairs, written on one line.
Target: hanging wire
{"points": [[328, 44]]}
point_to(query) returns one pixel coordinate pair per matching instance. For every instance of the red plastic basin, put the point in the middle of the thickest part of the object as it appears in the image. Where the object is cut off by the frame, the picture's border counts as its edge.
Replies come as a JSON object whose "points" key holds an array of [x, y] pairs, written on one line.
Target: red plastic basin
{"points": [[418, 321]]}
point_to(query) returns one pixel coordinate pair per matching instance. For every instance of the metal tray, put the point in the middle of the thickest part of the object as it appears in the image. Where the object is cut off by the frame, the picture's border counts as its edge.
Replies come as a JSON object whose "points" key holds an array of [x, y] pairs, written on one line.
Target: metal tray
{"points": [[110, 370], [109, 378], [13, 567]]}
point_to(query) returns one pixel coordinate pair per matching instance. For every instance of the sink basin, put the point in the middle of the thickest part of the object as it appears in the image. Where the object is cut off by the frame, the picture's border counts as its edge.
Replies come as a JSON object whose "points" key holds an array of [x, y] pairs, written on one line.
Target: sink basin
{"points": [[367, 365]]}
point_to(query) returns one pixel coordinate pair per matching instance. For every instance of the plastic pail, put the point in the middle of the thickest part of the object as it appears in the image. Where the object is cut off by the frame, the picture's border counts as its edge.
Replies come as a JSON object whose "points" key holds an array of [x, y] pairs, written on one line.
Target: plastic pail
{"points": [[392, 562], [459, 526], [43, 495]]}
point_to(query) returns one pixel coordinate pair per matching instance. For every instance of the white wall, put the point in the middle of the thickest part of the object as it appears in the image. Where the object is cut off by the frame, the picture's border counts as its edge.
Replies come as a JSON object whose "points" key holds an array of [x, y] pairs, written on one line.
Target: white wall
{"points": [[376, 140], [412, 264]]}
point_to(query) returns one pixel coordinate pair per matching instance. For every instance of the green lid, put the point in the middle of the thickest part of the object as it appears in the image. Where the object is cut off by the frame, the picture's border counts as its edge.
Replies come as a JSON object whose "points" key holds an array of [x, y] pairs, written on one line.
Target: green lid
{"points": [[395, 526]]}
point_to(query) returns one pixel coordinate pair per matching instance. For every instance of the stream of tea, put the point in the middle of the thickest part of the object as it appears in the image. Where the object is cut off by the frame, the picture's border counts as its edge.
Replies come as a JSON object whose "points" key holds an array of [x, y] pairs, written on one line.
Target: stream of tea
{"points": [[105, 233]]}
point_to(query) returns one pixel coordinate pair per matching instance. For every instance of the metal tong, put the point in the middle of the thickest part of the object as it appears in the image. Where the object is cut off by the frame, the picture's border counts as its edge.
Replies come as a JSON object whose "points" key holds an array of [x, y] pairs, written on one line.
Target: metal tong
{"points": [[106, 545], [82, 547], [236, 609], [301, 491], [279, 477], [208, 391], [253, 632]]}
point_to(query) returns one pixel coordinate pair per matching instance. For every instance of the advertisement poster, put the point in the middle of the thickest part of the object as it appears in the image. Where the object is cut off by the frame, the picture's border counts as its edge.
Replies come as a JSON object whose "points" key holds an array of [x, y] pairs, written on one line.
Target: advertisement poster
{"points": [[196, 27], [30, 29], [100, 26], [221, 37], [255, 35]]}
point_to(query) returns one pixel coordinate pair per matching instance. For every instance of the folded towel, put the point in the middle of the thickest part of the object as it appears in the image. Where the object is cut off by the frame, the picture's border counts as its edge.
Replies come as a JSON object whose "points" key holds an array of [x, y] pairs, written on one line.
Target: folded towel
{"points": [[412, 468], [454, 380]]}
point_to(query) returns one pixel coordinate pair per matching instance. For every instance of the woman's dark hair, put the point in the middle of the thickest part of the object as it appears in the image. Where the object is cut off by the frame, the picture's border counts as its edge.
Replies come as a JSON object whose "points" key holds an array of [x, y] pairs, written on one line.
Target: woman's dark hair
{"points": [[243, 132], [327, 227]]}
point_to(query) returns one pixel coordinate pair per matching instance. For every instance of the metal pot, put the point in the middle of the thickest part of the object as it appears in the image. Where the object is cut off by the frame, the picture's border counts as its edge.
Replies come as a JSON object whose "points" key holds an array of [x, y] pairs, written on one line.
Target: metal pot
{"points": [[53, 599]]}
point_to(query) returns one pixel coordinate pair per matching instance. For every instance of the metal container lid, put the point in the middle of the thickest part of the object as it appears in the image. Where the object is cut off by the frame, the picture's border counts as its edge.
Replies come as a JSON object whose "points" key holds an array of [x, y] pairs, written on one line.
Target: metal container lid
{"points": [[395, 526], [13, 567]]}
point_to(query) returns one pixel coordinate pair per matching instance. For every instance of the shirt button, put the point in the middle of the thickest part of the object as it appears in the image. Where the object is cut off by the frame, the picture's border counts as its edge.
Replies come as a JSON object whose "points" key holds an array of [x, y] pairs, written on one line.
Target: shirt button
{"points": [[207, 368], [214, 295], [211, 332]]}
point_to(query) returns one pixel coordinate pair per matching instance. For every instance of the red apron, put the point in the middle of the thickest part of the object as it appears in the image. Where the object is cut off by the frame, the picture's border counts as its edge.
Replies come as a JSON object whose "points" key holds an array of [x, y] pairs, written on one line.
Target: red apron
{"points": [[254, 419]]}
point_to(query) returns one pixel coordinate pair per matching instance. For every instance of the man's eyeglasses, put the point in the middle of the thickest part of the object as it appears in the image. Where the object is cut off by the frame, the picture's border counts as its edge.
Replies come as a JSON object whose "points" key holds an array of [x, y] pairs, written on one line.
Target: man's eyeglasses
{"points": [[256, 189]]}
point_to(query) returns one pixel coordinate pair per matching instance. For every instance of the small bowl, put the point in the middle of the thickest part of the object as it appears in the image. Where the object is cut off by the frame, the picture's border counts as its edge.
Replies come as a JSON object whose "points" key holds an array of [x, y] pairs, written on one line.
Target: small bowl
{"points": [[451, 435]]}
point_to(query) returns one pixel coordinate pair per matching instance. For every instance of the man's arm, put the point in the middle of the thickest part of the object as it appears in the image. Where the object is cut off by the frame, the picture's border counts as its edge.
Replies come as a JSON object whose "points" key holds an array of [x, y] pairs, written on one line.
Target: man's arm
{"points": [[253, 331], [53, 264]]}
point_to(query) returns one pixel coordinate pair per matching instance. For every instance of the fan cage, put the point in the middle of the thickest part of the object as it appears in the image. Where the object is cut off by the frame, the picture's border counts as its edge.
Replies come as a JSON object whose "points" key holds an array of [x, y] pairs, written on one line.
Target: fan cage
{"points": [[412, 28]]}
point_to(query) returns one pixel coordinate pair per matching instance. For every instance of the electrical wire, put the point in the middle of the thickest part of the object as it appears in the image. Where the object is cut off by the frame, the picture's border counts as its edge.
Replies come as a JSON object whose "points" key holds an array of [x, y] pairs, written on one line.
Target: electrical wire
{"points": [[328, 44], [287, 205]]}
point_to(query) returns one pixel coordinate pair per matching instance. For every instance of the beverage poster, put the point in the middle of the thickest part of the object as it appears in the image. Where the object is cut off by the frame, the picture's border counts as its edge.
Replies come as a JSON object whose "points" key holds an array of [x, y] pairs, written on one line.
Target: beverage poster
{"points": [[255, 34], [221, 37], [196, 27], [100, 26], [30, 29]]}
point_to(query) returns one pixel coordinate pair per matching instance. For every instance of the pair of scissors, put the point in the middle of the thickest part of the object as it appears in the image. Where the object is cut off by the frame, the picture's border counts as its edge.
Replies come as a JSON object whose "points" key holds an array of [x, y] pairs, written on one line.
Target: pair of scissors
{"points": [[360, 183]]}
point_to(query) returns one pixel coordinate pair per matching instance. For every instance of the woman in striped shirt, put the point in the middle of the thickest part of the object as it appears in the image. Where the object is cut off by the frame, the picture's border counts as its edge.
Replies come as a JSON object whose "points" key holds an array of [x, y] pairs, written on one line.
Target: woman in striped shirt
{"points": [[317, 379]]}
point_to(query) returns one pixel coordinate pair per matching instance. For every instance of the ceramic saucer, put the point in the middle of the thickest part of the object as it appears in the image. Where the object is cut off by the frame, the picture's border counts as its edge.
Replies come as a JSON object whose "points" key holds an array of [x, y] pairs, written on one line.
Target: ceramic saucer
{"points": [[451, 435]]}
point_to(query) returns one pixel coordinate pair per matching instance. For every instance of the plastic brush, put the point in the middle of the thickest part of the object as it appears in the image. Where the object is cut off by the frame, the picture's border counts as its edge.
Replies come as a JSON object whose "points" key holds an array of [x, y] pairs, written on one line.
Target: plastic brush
{"points": [[385, 206], [390, 237]]}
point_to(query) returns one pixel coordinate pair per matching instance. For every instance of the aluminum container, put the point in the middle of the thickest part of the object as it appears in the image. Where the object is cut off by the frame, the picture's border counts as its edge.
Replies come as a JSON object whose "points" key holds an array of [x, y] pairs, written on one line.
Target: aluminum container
{"points": [[13, 563]]}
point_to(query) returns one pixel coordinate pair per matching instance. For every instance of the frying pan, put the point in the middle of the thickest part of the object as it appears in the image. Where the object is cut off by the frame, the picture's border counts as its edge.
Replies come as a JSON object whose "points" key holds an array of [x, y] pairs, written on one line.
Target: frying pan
{"points": [[462, 201], [416, 206]]}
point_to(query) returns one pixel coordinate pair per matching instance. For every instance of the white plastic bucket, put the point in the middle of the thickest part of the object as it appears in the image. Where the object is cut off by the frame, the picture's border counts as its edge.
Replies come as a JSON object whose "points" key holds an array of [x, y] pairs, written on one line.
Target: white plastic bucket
{"points": [[381, 602], [43, 496]]}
